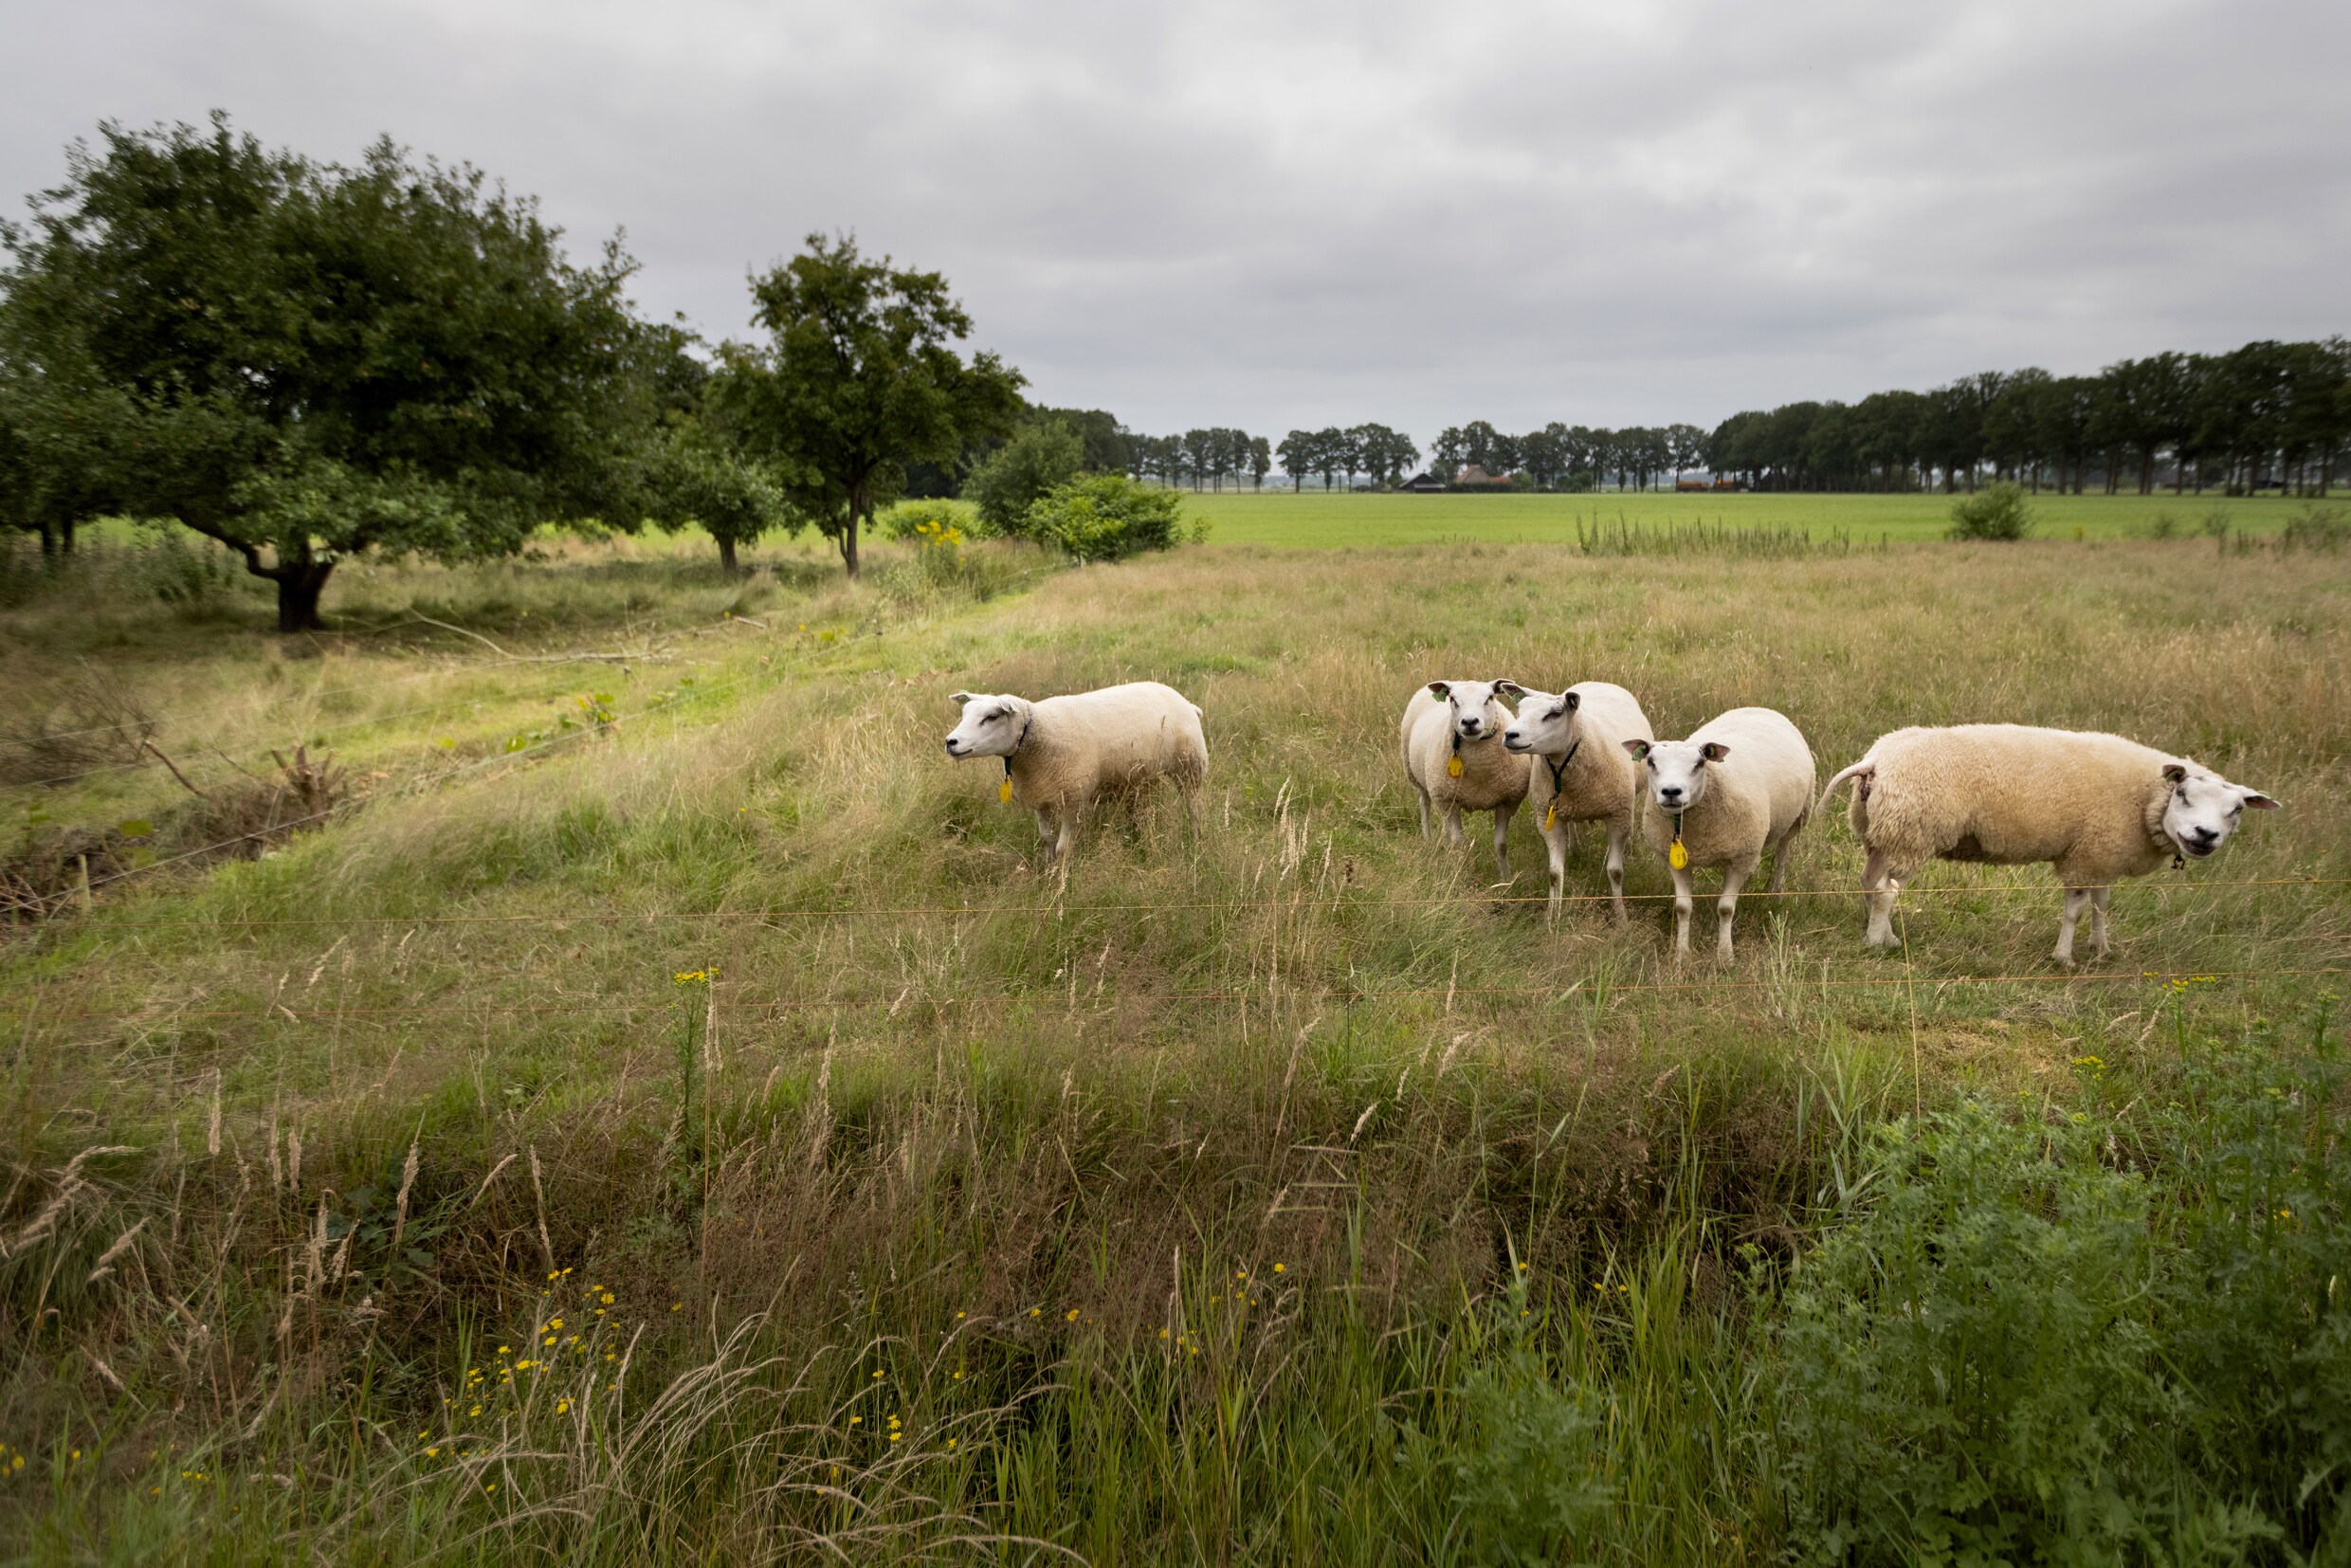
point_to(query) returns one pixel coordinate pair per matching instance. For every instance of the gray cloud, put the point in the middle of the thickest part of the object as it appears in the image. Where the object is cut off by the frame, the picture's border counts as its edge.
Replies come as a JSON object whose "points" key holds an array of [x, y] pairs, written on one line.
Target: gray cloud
{"points": [[1296, 211]]}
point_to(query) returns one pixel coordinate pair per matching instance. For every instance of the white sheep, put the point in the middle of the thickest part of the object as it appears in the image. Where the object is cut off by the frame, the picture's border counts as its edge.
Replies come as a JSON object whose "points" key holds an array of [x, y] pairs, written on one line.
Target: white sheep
{"points": [[1451, 739], [1580, 772], [2098, 808], [1063, 752], [1739, 787]]}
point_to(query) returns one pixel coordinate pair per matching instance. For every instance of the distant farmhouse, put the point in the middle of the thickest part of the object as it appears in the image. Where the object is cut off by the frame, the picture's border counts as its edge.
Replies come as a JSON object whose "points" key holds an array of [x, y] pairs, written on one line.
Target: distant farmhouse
{"points": [[1423, 484]]}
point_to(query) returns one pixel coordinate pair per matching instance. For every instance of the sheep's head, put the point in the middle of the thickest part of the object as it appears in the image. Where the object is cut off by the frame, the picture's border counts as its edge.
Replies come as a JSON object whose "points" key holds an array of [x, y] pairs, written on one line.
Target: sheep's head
{"points": [[1678, 770], [2204, 808], [1478, 713], [1547, 723], [992, 726]]}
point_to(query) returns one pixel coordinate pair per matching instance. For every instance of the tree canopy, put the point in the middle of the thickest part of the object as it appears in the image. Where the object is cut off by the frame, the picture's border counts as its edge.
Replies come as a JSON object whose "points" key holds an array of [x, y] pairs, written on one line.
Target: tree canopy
{"points": [[858, 380], [306, 361]]}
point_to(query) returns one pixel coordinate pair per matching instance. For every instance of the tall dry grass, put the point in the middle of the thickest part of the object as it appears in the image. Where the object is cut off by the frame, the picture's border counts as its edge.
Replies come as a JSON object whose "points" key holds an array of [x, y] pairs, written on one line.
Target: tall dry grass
{"points": [[950, 1115]]}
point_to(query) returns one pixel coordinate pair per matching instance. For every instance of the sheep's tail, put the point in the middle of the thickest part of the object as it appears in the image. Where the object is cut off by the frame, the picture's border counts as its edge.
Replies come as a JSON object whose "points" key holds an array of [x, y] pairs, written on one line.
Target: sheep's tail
{"points": [[1866, 768]]}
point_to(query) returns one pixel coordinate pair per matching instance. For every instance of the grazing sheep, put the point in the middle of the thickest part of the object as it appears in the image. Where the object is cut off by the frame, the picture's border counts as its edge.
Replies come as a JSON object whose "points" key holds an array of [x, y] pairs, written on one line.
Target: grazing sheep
{"points": [[1575, 739], [1739, 787], [1061, 752], [2096, 807], [1454, 754]]}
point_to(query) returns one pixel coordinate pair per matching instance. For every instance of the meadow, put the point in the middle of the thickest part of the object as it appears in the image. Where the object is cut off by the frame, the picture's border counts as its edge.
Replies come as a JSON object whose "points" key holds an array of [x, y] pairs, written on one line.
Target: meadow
{"points": [[664, 1110], [1356, 519]]}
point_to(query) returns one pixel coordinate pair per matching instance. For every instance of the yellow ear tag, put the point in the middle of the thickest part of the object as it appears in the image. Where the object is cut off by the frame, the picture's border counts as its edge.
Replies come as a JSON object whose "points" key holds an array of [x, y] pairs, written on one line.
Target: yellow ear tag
{"points": [[1676, 856], [1454, 767], [1004, 792], [1551, 817]]}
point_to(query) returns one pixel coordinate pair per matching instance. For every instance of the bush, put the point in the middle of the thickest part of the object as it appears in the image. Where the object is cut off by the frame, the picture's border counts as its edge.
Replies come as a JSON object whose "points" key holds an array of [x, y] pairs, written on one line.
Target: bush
{"points": [[1996, 512], [2023, 1353], [1021, 472], [1106, 517], [927, 520]]}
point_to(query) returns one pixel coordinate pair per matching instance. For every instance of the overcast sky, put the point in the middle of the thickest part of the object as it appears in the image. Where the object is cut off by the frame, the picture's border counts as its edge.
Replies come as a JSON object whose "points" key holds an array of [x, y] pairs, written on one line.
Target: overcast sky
{"points": [[1281, 213]]}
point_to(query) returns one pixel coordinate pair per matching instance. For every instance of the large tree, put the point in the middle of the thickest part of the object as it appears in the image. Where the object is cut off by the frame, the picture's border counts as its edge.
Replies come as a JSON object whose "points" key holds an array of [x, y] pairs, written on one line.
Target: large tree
{"points": [[308, 362], [858, 379]]}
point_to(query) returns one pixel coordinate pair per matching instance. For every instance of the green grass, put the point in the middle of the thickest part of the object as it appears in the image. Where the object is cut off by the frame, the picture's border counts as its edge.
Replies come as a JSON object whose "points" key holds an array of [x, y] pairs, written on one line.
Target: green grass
{"points": [[1274, 1076], [1313, 519]]}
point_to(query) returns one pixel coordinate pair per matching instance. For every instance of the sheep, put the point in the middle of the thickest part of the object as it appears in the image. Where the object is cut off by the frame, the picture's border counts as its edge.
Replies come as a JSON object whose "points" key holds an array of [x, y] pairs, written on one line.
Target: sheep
{"points": [[1451, 739], [1738, 787], [1061, 752], [2098, 808], [1575, 739]]}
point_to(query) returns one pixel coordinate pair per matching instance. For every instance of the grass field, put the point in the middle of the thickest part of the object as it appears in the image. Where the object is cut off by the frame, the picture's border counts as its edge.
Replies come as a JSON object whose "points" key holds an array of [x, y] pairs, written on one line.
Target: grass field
{"points": [[1279, 518], [672, 1116]]}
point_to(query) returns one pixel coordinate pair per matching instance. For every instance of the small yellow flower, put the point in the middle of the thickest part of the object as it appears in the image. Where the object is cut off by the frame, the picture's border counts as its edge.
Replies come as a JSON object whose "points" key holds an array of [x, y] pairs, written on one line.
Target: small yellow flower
{"points": [[877, 1371], [674, 1306], [606, 1298], [896, 1435], [1036, 1312], [476, 1410], [855, 1420], [951, 1442], [433, 1454], [563, 1407], [1281, 1269], [1071, 1316], [502, 1350], [1163, 1334]]}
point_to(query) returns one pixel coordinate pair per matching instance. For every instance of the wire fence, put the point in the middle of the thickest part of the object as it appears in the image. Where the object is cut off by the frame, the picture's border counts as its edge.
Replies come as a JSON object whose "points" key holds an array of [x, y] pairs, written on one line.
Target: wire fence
{"points": [[1286, 992]]}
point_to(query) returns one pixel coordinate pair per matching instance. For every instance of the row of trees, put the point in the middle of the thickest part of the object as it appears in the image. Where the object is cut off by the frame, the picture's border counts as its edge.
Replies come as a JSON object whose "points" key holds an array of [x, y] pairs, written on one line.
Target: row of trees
{"points": [[306, 361], [2269, 414]]}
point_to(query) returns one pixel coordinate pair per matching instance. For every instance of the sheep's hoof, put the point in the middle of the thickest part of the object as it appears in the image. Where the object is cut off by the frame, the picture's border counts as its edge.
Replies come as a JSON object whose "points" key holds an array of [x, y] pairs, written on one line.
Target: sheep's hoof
{"points": [[2063, 961]]}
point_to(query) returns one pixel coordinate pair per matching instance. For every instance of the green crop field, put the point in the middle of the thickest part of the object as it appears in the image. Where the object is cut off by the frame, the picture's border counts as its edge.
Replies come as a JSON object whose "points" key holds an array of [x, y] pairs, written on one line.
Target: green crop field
{"points": [[1313, 518], [653, 1106]]}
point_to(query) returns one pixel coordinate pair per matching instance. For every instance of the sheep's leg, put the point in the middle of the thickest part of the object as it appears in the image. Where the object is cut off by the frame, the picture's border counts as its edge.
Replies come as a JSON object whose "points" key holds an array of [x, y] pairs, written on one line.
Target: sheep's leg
{"points": [[1780, 859], [1424, 810], [1733, 878], [1555, 841], [1683, 905], [1454, 837], [1501, 841], [2098, 920], [2075, 898], [1045, 827], [1878, 887], [1070, 811], [1618, 832]]}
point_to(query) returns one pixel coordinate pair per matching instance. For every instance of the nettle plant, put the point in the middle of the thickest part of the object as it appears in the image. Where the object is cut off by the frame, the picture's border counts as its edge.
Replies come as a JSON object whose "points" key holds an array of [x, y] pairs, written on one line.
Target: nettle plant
{"points": [[2085, 1337]]}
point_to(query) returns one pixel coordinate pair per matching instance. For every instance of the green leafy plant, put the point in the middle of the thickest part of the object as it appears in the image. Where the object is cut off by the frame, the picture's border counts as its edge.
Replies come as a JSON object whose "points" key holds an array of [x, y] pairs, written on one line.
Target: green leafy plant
{"points": [[1107, 517], [1998, 510]]}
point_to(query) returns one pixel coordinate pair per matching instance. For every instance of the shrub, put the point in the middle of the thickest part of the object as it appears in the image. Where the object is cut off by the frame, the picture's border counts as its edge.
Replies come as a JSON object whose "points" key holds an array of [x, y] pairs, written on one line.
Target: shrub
{"points": [[1021, 472], [1996, 512], [926, 520], [1104, 517], [2023, 1353]]}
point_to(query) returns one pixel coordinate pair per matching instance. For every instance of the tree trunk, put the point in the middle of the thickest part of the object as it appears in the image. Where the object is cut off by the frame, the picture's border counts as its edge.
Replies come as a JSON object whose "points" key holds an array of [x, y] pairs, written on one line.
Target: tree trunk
{"points": [[848, 544], [726, 557], [300, 584]]}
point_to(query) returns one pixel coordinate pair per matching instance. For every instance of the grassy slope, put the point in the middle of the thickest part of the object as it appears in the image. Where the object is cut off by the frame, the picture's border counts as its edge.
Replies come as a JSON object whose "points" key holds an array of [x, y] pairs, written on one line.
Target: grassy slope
{"points": [[1279, 517], [1072, 1113]]}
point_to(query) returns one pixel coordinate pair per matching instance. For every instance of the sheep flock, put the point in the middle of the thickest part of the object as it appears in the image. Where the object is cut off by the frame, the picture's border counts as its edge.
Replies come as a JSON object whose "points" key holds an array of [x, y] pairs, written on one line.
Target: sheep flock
{"points": [[2096, 808]]}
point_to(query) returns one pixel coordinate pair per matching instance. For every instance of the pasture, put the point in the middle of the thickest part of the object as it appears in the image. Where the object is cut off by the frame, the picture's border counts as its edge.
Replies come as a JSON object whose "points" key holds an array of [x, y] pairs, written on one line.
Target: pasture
{"points": [[669, 1112], [1348, 519]]}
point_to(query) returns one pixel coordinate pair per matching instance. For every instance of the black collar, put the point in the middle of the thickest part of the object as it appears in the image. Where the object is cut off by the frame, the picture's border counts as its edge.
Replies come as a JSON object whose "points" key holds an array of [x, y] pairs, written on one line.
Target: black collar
{"points": [[1560, 772], [1017, 745]]}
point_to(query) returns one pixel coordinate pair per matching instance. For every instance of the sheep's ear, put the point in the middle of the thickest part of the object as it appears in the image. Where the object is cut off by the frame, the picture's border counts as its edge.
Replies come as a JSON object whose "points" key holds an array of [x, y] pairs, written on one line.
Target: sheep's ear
{"points": [[2175, 774], [1572, 700], [958, 698], [1440, 689], [1714, 750], [1637, 750], [2263, 803], [1508, 688]]}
